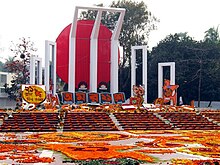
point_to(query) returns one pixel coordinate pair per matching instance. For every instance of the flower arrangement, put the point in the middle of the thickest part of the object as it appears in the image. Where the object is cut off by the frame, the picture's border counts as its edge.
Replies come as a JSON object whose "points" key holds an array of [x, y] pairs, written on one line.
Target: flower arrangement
{"points": [[101, 145], [194, 162], [86, 152], [67, 137]]}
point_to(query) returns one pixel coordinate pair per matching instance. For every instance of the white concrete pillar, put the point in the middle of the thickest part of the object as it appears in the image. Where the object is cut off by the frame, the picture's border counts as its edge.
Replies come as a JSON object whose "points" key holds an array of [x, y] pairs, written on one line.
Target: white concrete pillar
{"points": [[115, 51], [39, 71], [160, 76], [33, 60], [160, 81], [133, 69], [114, 67], [144, 68], [53, 68], [32, 70], [94, 53], [144, 71], [50, 46], [172, 73], [47, 66], [72, 54]]}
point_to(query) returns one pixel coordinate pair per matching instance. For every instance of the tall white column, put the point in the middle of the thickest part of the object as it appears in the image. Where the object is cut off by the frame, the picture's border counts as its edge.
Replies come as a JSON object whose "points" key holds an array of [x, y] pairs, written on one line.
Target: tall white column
{"points": [[172, 73], [39, 71], [33, 60], [72, 65], [114, 52], [144, 70], [32, 70], [160, 80], [54, 66], [160, 76], [48, 53], [114, 67], [47, 66], [72, 54], [133, 69], [94, 53]]}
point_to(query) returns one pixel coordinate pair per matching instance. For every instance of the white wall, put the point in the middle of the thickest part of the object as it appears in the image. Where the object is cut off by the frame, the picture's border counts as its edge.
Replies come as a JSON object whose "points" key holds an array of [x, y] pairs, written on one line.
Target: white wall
{"points": [[4, 100]]}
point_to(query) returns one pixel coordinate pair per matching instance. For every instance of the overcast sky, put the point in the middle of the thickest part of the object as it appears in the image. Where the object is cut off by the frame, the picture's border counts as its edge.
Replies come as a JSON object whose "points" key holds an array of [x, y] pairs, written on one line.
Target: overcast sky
{"points": [[44, 19]]}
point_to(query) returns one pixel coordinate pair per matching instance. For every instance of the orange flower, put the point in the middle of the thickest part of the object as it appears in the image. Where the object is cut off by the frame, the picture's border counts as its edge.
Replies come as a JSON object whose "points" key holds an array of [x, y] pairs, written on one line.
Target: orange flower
{"points": [[13, 147], [2, 157], [36, 159], [67, 137], [191, 162], [97, 151], [159, 143], [157, 151]]}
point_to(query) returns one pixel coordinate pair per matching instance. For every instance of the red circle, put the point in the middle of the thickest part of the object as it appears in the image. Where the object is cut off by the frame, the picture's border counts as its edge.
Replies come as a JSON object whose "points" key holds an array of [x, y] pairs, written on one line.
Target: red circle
{"points": [[83, 32]]}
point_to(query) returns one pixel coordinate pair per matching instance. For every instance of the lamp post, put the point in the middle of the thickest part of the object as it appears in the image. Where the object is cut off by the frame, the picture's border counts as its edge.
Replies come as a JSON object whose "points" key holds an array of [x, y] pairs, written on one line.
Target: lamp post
{"points": [[22, 56]]}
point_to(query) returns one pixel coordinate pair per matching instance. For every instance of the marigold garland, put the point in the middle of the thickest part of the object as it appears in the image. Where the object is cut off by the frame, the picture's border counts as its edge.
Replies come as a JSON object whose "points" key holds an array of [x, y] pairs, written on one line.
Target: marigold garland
{"points": [[157, 151], [95, 145], [67, 137], [159, 143], [22, 141], [36, 159], [13, 147], [2, 157], [192, 162], [99, 151], [207, 152]]}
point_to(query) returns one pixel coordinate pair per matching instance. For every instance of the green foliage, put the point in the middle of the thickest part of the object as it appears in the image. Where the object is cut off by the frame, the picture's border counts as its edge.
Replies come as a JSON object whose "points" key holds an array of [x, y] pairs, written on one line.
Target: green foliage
{"points": [[212, 35], [19, 65], [197, 67], [138, 23], [2, 67], [122, 161], [129, 162]]}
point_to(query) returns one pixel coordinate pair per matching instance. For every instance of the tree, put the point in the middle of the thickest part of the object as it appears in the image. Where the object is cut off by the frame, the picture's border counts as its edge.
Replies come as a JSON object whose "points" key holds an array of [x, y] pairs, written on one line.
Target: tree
{"points": [[212, 39], [172, 49], [19, 66], [2, 67], [212, 35], [137, 25], [197, 66]]}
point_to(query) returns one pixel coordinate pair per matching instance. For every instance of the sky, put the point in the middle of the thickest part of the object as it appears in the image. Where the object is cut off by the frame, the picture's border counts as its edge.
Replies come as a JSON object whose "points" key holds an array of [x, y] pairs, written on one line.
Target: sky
{"points": [[44, 19]]}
